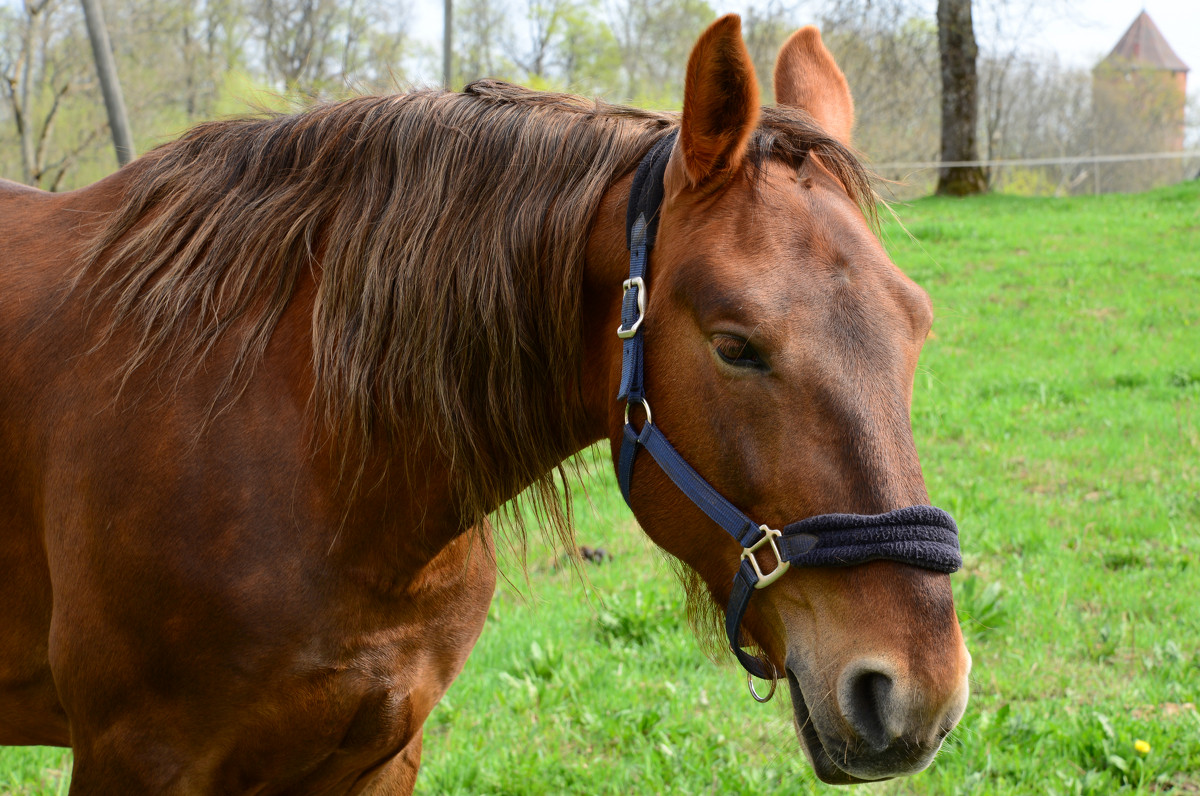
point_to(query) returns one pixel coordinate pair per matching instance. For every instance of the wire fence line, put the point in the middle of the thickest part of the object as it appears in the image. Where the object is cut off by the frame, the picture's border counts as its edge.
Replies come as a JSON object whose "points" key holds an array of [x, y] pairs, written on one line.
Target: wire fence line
{"points": [[1063, 175], [1057, 161]]}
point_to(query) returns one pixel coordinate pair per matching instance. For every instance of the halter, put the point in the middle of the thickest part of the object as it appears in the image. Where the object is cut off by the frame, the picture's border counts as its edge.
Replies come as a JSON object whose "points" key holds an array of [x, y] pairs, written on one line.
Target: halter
{"points": [[923, 536]]}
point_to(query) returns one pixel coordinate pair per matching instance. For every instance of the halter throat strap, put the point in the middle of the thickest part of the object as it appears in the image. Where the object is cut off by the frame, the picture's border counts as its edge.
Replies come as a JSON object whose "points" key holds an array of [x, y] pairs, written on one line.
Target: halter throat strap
{"points": [[923, 536]]}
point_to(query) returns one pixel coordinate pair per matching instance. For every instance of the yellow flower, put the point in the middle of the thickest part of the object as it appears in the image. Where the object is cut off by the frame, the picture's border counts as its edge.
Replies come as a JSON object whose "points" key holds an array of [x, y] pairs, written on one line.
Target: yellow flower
{"points": [[1141, 747]]}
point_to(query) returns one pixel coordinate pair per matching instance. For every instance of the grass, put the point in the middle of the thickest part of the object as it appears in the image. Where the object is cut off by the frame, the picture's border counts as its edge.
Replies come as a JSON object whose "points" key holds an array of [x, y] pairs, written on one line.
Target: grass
{"points": [[1057, 411]]}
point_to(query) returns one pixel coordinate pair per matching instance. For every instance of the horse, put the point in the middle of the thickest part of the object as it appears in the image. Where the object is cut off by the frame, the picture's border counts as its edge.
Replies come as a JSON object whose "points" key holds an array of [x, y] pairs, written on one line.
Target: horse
{"points": [[266, 386]]}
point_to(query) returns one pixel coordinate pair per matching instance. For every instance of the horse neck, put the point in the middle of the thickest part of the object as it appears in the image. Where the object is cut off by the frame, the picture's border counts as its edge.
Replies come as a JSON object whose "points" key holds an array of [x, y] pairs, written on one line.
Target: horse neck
{"points": [[403, 507], [587, 419], [606, 266], [426, 479], [551, 418]]}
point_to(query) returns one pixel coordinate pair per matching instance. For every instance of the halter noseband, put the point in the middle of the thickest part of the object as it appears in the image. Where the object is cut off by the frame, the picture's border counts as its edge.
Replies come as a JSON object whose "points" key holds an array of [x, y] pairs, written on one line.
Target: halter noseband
{"points": [[923, 536]]}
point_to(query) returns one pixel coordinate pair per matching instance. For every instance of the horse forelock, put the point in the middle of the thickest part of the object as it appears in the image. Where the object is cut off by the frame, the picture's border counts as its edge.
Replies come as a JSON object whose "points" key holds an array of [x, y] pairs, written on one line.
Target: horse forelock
{"points": [[445, 235]]}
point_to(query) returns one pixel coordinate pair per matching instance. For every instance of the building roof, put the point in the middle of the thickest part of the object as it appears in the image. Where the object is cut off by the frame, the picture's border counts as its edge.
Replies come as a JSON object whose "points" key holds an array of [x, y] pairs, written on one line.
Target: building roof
{"points": [[1143, 47]]}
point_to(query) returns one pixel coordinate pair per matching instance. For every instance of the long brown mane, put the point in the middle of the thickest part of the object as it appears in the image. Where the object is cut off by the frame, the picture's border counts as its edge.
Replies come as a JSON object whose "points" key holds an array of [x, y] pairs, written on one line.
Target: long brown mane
{"points": [[445, 233]]}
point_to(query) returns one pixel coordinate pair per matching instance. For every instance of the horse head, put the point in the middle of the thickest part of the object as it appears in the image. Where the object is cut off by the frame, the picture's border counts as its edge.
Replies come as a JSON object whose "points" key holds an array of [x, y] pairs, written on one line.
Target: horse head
{"points": [[780, 348]]}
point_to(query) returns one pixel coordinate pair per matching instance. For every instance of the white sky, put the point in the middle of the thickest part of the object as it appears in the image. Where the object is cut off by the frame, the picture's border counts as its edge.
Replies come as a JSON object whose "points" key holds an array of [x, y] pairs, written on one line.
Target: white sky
{"points": [[1090, 30], [1079, 32]]}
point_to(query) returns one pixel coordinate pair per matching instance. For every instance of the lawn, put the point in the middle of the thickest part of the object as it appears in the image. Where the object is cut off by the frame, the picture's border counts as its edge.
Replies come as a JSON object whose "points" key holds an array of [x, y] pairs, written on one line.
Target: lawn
{"points": [[1057, 412]]}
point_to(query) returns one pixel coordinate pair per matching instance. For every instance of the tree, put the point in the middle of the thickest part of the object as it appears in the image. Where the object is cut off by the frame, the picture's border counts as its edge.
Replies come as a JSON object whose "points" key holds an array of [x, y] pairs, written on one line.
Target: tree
{"points": [[297, 36], [448, 44], [106, 71], [588, 58], [480, 28], [311, 46], [41, 72], [1035, 108], [890, 59], [567, 46], [655, 39], [765, 27], [546, 19], [960, 109]]}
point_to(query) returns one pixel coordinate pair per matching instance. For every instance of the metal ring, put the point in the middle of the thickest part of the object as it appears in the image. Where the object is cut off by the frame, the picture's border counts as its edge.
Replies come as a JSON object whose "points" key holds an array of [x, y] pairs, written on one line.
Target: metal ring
{"points": [[645, 405], [774, 683]]}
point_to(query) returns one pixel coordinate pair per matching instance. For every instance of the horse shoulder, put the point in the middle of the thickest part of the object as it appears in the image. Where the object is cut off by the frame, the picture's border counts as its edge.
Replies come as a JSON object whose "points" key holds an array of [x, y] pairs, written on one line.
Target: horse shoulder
{"points": [[31, 263]]}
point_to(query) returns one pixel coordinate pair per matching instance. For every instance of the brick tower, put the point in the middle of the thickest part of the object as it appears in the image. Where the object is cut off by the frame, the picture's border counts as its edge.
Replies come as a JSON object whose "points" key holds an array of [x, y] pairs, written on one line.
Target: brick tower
{"points": [[1138, 94]]}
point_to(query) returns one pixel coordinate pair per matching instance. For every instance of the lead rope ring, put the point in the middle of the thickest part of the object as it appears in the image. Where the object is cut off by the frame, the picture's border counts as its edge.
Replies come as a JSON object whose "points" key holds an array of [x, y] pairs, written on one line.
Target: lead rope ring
{"points": [[774, 682]]}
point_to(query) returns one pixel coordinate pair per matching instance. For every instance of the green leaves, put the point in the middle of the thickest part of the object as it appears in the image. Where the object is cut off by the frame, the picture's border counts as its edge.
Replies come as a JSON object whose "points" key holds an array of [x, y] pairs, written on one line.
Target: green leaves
{"points": [[981, 608], [639, 620]]}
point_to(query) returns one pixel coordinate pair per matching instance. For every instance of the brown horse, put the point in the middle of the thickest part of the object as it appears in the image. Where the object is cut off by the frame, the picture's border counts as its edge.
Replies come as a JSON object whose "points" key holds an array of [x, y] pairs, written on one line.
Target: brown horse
{"points": [[260, 384]]}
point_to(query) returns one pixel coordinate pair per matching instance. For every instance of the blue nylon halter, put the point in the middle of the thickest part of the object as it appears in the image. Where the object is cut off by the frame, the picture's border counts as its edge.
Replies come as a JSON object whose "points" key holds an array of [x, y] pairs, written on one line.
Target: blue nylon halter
{"points": [[923, 536]]}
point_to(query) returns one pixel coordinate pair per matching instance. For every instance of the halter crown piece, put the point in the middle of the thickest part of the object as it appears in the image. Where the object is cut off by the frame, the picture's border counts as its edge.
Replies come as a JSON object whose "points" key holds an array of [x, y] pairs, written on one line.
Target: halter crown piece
{"points": [[923, 536]]}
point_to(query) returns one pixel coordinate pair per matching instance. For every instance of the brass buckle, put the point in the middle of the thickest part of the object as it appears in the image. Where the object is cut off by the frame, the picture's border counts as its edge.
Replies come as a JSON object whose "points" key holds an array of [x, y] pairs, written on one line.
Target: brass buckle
{"points": [[781, 566], [626, 286]]}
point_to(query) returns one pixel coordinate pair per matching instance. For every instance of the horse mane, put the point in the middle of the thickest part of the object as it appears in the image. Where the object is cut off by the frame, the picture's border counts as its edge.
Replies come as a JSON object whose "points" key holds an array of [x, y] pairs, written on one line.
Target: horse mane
{"points": [[445, 235]]}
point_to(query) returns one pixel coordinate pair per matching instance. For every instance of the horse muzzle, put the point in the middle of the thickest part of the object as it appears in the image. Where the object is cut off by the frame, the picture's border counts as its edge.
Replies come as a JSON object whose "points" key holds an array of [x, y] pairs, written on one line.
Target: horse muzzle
{"points": [[871, 723]]}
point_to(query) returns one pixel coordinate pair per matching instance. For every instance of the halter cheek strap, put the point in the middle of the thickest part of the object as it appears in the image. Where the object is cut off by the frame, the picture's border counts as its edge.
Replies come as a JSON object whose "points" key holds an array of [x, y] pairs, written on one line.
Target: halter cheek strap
{"points": [[923, 536]]}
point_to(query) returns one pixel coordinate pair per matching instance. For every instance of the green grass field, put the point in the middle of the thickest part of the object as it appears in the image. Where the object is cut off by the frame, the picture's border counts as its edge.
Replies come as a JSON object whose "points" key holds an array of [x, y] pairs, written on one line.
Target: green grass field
{"points": [[1057, 411]]}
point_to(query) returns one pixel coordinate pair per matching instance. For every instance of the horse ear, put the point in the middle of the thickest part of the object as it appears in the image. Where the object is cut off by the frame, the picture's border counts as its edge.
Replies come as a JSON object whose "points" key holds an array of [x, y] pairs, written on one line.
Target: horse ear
{"points": [[807, 77], [720, 107]]}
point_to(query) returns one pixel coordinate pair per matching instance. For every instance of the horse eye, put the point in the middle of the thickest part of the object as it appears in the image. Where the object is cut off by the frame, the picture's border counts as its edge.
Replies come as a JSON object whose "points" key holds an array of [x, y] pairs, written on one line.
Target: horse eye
{"points": [[738, 352]]}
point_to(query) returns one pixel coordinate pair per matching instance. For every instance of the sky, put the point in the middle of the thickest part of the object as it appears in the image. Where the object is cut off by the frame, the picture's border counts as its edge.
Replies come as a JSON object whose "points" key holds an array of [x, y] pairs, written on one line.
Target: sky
{"points": [[1078, 32], [1089, 30]]}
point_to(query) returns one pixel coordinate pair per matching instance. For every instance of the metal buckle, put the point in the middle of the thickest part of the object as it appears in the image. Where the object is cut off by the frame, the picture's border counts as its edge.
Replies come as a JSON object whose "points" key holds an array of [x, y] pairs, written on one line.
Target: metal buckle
{"points": [[780, 568], [640, 284]]}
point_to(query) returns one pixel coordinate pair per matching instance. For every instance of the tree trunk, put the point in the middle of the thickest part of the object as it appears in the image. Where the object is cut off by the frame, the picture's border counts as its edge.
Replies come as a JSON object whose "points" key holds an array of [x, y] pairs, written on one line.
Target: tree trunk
{"points": [[447, 44], [24, 110], [110, 87], [956, 45]]}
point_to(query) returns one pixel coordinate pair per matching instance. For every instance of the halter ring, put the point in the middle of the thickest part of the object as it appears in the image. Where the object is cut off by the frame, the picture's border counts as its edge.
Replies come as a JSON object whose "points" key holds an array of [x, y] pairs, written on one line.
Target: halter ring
{"points": [[645, 405], [774, 682]]}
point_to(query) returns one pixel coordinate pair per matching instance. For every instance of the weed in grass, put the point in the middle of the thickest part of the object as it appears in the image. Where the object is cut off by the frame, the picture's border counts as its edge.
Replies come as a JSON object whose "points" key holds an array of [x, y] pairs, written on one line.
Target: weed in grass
{"points": [[1104, 646], [1118, 561], [1130, 381], [981, 608], [542, 664], [1185, 379], [636, 621]]}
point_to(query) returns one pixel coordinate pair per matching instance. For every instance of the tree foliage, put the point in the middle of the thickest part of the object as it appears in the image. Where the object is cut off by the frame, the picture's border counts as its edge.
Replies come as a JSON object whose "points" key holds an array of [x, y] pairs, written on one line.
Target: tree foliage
{"points": [[179, 61], [182, 61], [44, 68]]}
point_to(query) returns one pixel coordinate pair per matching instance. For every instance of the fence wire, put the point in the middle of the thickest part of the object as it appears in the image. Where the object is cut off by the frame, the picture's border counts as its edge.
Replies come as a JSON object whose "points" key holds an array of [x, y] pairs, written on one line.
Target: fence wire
{"points": [[1057, 176]]}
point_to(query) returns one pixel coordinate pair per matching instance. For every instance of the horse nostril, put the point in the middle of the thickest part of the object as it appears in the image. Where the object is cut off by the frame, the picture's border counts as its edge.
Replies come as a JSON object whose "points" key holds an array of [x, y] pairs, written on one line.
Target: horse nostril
{"points": [[866, 697]]}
